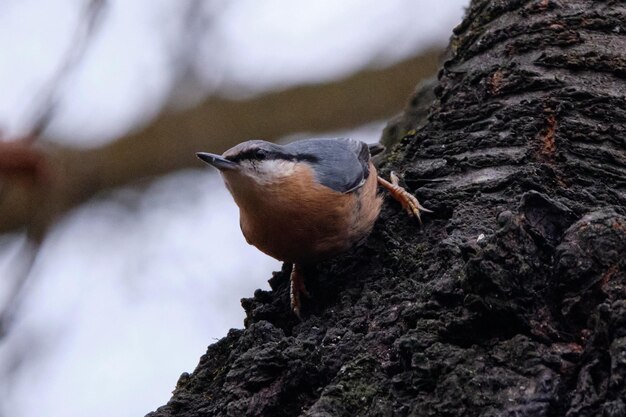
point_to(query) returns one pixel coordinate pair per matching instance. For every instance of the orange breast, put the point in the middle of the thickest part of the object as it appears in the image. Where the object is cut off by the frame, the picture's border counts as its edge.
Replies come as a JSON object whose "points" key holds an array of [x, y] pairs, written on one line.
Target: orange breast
{"points": [[298, 220]]}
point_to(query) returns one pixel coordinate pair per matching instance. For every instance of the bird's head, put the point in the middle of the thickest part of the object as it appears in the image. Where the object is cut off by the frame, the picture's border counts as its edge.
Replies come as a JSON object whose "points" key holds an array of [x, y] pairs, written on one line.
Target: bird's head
{"points": [[257, 160]]}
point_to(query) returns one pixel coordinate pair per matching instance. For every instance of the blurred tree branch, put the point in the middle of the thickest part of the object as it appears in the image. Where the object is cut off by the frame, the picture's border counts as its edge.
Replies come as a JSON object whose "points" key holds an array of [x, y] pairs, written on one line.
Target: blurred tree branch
{"points": [[170, 141], [84, 34], [30, 171]]}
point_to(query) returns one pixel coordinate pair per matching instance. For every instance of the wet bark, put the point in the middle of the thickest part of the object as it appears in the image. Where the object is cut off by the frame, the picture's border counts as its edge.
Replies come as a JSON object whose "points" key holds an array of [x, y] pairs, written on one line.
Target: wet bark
{"points": [[510, 300]]}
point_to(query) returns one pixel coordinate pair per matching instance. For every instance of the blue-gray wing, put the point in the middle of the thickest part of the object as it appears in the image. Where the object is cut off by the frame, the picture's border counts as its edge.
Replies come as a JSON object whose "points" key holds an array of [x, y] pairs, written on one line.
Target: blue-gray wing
{"points": [[340, 164]]}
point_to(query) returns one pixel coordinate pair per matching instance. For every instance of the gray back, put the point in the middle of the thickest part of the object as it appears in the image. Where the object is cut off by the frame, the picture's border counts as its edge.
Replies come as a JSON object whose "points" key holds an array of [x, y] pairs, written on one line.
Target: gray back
{"points": [[340, 164]]}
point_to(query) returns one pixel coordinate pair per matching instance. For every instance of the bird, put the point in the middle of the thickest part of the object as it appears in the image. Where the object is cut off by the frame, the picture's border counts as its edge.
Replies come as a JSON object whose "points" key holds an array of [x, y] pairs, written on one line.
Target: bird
{"points": [[306, 201]]}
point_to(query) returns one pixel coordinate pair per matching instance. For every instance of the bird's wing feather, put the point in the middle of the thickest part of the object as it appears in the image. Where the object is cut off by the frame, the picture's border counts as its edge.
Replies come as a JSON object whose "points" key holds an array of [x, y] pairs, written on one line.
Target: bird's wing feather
{"points": [[340, 164]]}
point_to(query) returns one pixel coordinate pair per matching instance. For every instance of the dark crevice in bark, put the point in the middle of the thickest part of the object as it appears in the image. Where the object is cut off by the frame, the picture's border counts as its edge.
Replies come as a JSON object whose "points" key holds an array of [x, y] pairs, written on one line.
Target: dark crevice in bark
{"points": [[510, 300]]}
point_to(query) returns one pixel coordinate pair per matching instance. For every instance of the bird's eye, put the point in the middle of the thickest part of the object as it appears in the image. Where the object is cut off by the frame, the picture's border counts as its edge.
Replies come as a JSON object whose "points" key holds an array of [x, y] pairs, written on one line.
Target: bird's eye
{"points": [[260, 154]]}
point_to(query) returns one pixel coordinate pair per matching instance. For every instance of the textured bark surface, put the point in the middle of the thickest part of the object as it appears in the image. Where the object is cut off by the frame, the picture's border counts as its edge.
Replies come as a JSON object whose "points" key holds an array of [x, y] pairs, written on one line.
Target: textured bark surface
{"points": [[510, 301]]}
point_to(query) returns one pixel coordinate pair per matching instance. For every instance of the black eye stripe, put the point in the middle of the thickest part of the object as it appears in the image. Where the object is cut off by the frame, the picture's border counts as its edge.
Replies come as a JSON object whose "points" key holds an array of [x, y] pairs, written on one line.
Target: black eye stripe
{"points": [[263, 154], [250, 154]]}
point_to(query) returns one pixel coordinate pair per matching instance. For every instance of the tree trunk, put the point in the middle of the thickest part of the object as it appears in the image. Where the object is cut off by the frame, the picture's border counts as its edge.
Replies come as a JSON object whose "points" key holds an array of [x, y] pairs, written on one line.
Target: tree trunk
{"points": [[510, 300]]}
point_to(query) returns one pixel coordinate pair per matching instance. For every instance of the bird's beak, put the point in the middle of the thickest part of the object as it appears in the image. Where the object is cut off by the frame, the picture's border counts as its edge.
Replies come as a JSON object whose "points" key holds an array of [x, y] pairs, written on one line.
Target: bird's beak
{"points": [[217, 161]]}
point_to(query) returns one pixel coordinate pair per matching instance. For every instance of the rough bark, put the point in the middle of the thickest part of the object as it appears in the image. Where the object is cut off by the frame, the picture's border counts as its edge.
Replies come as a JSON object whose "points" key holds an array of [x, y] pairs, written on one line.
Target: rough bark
{"points": [[510, 301]]}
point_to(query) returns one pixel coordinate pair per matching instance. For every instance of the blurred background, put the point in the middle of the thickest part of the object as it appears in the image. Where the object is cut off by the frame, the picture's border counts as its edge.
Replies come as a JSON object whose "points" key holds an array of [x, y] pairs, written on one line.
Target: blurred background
{"points": [[121, 257]]}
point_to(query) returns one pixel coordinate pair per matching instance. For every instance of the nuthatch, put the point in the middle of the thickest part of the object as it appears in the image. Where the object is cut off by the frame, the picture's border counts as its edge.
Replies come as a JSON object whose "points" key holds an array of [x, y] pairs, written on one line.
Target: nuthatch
{"points": [[306, 201]]}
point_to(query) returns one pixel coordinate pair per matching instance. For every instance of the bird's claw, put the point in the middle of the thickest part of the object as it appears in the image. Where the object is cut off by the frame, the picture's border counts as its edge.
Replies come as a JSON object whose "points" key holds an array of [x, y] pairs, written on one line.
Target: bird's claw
{"points": [[297, 289], [408, 201]]}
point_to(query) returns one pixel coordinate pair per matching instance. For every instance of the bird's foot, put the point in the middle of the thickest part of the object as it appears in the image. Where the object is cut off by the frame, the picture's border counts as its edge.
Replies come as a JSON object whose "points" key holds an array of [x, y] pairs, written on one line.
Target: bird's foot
{"points": [[408, 200], [297, 289]]}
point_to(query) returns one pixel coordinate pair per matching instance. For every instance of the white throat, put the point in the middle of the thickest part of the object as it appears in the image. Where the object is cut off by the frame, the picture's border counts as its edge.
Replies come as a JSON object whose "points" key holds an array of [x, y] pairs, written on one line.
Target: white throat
{"points": [[269, 171]]}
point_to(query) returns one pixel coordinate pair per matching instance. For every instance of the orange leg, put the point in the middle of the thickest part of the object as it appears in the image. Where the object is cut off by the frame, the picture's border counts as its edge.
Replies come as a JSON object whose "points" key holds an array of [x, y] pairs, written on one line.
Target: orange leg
{"points": [[297, 288], [408, 200]]}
